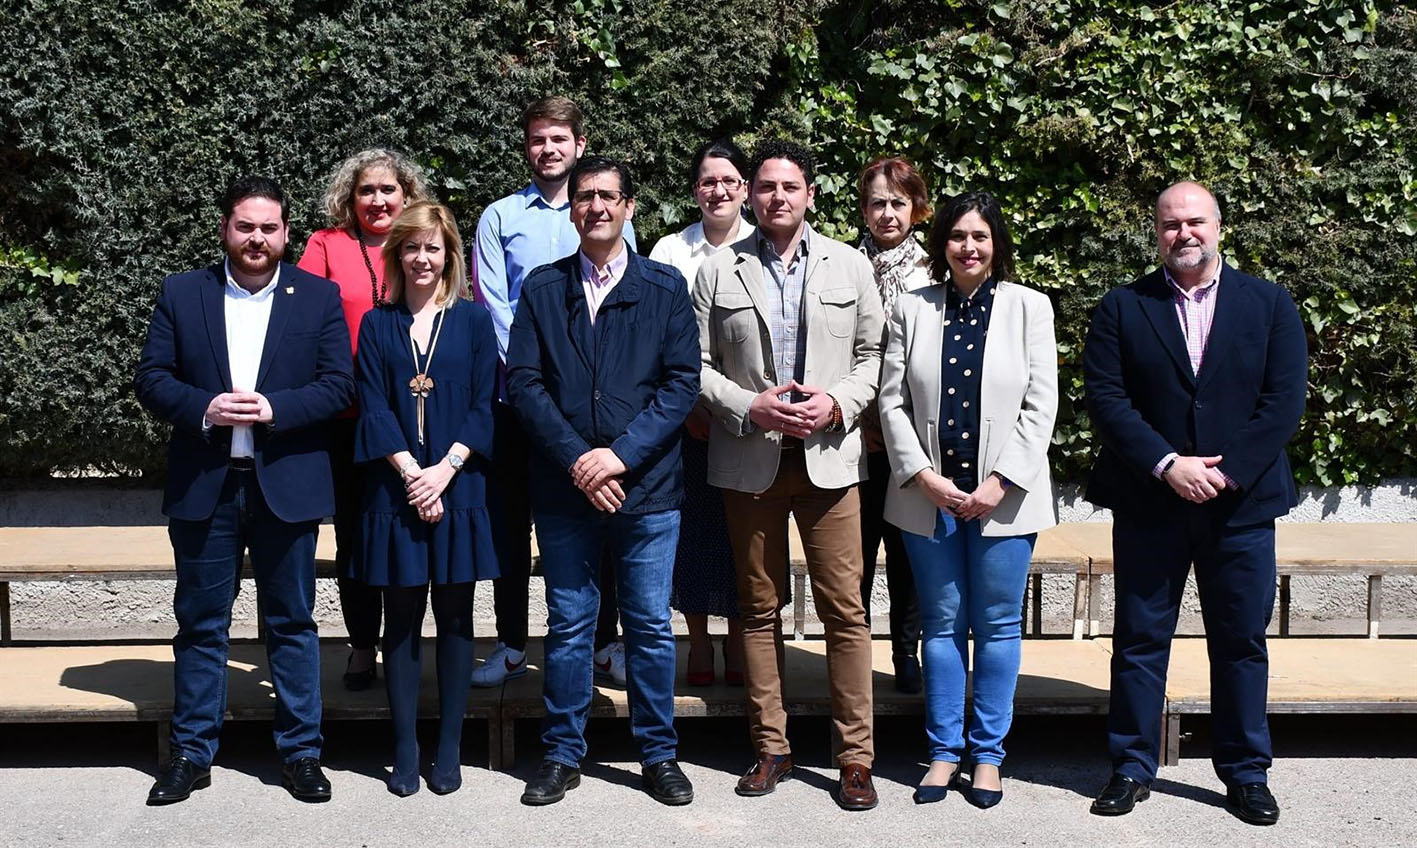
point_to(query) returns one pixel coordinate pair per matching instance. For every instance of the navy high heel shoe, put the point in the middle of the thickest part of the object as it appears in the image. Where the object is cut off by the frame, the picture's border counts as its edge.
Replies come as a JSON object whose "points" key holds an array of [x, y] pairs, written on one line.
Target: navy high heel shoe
{"points": [[445, 782], [930, 794]]}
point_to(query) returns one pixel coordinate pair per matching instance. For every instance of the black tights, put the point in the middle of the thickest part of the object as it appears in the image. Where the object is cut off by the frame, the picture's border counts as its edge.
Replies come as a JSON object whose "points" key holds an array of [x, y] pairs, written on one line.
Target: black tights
{"points": [[403, 623]]}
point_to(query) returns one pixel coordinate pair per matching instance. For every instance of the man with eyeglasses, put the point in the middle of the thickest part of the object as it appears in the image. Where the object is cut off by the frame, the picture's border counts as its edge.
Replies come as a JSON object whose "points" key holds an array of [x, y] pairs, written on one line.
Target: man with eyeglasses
{"points": [[603, 368], [791, 330], [516, 235]]}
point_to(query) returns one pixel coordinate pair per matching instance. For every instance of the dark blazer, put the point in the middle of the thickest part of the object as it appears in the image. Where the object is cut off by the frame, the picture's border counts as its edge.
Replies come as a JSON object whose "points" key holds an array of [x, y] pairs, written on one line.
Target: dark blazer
{"points": [[626, 383], [1244, 405], [306, 373]]}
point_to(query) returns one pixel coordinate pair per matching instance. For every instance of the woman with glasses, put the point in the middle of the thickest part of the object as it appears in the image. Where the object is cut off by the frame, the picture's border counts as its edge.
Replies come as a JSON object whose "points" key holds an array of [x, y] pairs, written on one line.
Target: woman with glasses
{"points": [[894, 200], [366, 194], [969, 392], [704, 581]]}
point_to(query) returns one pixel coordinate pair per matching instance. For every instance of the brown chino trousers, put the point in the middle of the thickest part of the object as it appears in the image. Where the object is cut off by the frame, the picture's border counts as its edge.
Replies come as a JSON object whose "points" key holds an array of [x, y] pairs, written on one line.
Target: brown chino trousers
{"points": [[829, 521]]}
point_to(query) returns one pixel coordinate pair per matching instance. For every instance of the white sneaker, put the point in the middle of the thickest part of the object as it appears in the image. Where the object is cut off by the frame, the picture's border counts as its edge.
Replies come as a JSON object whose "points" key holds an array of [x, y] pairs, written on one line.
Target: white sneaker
{"points": [[610, 664], [501, 665]]}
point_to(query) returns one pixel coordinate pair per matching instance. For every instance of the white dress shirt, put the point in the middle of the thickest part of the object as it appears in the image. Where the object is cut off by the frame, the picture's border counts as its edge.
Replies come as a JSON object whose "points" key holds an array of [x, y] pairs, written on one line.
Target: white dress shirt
{"points": [[247, 316], [687, 249]]}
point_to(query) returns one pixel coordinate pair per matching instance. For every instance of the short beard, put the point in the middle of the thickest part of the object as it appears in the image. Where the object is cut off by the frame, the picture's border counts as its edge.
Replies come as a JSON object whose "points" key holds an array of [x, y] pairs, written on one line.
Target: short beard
{"points": [[240, 263], [1179, 263]]}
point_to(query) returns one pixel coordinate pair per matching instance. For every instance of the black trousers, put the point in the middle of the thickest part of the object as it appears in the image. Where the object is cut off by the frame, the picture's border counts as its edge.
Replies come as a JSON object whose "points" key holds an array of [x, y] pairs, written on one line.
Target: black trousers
{"points": [[900, 581], [360, 604]]}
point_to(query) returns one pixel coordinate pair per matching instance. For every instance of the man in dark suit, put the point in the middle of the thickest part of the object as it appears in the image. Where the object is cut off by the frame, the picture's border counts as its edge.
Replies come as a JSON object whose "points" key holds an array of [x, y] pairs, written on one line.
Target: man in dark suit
{"points": [[1195, 378], [247, 359]]}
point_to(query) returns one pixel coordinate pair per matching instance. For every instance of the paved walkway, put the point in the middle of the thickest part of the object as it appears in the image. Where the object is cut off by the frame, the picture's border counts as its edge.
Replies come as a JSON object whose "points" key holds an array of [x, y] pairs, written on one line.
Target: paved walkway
{"points": [[1340, 780]]}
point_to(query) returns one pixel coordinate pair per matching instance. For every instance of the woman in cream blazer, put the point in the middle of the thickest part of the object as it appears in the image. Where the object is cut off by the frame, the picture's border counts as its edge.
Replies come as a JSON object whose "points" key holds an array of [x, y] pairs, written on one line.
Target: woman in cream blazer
{"points": [[969, 392]]}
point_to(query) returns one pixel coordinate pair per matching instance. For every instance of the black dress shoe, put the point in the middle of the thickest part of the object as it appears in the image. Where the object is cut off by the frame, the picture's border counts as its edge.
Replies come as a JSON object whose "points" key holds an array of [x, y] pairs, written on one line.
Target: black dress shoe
{"points": [[1119, 796], [984, 798], [551, 783], [178, 781], [666, 783], [1253, 803], [304, 779], [358, 681], [907, 675]]}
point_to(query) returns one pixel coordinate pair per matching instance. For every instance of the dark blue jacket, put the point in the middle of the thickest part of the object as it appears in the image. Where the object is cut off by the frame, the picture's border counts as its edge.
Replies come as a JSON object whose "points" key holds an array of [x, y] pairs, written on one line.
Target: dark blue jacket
{"points": [[306, 373], [626, 383], [1244, 405]]}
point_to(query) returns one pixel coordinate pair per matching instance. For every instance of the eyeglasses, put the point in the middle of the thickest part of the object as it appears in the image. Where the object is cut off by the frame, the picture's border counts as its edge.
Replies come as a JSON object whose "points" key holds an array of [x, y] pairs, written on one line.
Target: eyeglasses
{"points": [[607, 196], [729, 183]]}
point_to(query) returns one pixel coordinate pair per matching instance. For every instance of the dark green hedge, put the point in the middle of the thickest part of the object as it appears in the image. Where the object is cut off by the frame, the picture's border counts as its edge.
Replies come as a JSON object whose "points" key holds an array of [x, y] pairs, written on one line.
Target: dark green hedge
{"points": [[120, 120]]}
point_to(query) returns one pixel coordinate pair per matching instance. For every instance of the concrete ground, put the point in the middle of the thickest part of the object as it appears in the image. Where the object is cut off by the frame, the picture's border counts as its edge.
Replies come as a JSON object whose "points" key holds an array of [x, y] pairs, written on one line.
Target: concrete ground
{"points": [[1340, 780]]}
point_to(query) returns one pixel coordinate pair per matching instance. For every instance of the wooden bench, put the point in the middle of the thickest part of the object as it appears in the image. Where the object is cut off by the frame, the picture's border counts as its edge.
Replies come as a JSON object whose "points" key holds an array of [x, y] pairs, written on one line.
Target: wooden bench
{"points": [[1335, 548], [133, 683], [102, 553], [1057, 677], [1054, 553]]}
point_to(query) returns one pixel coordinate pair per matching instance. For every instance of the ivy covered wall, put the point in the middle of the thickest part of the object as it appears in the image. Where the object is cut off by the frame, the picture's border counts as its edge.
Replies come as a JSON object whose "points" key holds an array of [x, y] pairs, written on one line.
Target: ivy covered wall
{"points": [[121, 119]]}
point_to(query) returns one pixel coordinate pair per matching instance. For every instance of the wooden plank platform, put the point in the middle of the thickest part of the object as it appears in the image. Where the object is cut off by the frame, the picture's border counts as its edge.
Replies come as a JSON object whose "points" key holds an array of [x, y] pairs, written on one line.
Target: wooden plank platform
{"points": [[1057, 677]]}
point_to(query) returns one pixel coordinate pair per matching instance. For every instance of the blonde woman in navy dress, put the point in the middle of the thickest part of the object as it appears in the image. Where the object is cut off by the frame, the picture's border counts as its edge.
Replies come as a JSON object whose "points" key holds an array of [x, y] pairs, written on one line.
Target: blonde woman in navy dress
{"points": [[427, 371]]}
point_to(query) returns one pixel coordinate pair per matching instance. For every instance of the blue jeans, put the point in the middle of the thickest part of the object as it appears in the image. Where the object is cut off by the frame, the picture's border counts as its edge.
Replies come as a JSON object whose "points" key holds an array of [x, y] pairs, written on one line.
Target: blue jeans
{"points": [[967, 581], [208, 556], [641, 548]]}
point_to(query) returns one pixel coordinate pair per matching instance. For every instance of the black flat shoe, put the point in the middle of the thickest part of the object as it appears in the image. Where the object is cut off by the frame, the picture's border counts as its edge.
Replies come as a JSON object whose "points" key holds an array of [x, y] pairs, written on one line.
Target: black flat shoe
{"points": [[553, 780], [358, 681], [1252, 803], [666, 783], [907, 675], [304, 780], [1119, 796], [178, 781]]}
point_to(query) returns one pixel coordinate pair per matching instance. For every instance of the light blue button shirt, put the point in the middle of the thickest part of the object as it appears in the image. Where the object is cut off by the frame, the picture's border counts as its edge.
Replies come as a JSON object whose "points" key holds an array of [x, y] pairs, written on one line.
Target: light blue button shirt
{"points": [[516, 235]]}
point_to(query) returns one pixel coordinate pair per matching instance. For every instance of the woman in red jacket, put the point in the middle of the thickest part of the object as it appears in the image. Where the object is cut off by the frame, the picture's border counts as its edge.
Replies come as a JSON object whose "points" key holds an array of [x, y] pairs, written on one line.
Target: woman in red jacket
{"points": [[366, 193]]}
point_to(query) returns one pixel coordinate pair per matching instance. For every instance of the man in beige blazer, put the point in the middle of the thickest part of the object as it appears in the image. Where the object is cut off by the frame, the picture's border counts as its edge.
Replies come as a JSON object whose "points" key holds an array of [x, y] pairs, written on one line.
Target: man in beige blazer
{"points": [[791, 331]]}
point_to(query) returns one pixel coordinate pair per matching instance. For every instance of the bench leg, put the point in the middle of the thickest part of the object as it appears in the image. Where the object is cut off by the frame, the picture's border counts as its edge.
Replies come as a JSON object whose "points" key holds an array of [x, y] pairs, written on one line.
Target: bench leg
{"points": [[506, 743], [1170, 739], [494, 741], [1284, 605], [1079, 606], [5, 613], [1038, 605], [1094, 605], [799, 604], [164, 744], [1375, 604]]}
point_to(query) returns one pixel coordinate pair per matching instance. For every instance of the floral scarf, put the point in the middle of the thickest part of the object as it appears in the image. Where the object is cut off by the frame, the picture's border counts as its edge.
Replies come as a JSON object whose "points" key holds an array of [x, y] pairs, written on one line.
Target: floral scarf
{"points": [[894, 267]]}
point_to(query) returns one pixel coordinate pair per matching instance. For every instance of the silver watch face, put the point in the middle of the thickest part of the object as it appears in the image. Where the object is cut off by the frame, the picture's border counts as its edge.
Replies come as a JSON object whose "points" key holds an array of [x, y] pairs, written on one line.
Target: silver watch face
{"points": [[455, 461]]}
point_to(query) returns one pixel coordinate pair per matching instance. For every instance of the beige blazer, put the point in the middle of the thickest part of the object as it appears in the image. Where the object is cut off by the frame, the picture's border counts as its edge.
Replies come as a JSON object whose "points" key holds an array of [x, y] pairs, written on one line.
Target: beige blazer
{"points": [[1018, 402], [845, 334]]}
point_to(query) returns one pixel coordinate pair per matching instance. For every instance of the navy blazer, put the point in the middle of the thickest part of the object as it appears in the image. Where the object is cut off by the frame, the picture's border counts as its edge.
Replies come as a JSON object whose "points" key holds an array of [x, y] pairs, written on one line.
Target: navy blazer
{"points": [[1245, 404], [306, 373], [626, 383]]}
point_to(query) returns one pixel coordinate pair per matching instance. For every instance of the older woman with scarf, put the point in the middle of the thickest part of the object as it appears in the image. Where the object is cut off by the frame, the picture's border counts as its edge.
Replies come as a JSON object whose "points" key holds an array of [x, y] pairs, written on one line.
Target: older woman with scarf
{"points": [[893, 201]]}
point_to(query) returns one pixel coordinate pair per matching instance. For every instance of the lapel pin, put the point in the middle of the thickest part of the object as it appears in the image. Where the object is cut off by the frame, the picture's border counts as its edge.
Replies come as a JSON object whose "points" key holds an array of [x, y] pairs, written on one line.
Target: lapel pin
{"points": [[290, 289]]}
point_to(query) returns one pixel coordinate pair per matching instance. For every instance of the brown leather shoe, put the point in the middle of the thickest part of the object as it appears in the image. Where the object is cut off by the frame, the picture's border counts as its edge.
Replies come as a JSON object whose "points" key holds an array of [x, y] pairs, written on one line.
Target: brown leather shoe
{"points": [[856, 792], [763, 777]]}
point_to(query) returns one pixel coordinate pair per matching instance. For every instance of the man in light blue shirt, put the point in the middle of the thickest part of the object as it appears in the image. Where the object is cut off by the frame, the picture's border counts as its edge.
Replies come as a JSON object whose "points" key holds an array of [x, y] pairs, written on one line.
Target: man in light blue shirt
{"points": [[517, 234]]}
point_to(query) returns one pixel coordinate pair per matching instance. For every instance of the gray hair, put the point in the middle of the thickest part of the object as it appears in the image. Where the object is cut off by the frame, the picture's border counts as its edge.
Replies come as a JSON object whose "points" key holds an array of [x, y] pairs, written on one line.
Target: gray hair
{"points": [[339, 196]]}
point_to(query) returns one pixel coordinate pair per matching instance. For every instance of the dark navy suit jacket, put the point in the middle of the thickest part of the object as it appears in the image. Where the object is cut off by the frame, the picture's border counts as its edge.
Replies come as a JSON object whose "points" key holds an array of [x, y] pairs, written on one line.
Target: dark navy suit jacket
{"points": [[306, 373], [626, 383], [1245, 404]]}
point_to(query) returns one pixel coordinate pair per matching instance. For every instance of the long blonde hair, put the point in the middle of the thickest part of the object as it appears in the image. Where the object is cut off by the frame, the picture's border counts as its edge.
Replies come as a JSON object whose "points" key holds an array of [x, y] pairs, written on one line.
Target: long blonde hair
{"points": [[416, 219], [339, 196]]}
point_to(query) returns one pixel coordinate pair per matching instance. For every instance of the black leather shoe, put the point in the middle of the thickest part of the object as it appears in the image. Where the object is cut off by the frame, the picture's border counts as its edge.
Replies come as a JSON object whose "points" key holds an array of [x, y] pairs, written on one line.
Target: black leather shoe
{"points": [[553, 780], [666, 783], [984, 798], [178, 781], [907, 675], [1253, 803], [1119, 796], [358, 681], [305, 781]]}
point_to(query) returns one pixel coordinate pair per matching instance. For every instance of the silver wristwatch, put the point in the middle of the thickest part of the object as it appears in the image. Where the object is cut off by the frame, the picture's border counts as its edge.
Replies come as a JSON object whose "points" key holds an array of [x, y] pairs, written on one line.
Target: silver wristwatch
{"points": [[455, 461]]}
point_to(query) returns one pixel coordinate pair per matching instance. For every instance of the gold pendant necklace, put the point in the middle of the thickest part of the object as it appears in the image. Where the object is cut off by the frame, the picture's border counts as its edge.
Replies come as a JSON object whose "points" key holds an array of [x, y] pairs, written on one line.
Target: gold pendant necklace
{"points": [[421, 384]]}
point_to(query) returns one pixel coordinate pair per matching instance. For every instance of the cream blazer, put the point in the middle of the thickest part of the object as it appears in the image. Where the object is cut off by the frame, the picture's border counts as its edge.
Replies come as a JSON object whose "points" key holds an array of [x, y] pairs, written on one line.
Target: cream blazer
{"points": [[845, 333], [1018, 402]]}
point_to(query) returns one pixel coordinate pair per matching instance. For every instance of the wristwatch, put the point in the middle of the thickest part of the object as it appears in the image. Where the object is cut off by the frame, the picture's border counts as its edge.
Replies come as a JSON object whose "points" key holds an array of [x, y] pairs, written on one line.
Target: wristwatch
{"points": [[455, 461]]}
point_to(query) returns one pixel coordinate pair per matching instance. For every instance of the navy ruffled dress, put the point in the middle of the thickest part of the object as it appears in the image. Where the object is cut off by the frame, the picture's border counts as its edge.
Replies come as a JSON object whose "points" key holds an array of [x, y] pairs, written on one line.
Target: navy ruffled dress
{"points": [[400, 549]]}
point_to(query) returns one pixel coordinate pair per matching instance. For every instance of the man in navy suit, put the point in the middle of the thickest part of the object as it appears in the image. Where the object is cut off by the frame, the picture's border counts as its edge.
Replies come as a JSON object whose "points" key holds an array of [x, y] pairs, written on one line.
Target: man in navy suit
{"points": [[247, 359], [1195, 377]]}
